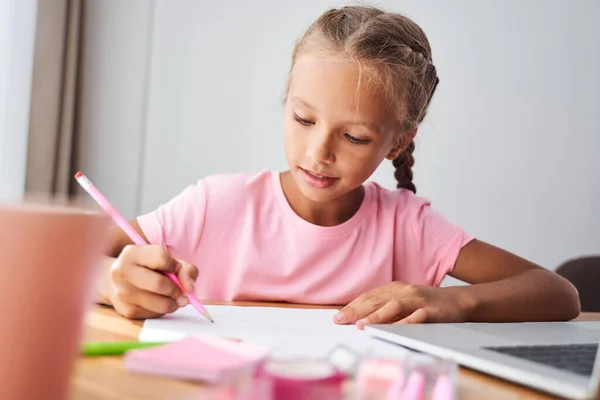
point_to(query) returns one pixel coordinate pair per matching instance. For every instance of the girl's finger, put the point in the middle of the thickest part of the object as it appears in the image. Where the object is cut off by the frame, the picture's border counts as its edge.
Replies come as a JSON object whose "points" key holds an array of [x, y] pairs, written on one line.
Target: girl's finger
{"points": [[188, 275], [150, 301], [363, 305], [153, 281], [132, 311], [152, 257], [420, 316], [392, 311]]}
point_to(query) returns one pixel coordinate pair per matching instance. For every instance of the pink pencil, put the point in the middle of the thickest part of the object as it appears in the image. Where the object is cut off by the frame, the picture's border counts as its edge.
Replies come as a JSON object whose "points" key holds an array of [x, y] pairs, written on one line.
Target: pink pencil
{"points": [[133, 235]]}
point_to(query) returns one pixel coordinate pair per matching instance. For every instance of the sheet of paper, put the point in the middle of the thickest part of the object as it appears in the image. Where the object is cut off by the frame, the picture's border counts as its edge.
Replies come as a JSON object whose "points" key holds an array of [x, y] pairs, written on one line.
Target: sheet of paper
{"points": [[287, 331]]}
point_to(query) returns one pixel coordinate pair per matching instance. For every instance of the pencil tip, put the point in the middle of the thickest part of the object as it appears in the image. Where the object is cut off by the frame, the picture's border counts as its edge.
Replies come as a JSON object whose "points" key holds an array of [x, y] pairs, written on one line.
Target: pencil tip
{"points": [[208, 316]]}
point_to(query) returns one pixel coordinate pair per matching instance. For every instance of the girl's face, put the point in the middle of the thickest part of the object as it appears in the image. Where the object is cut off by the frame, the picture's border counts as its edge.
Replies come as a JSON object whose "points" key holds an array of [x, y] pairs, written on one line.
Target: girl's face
{"points": [[336, 134]]}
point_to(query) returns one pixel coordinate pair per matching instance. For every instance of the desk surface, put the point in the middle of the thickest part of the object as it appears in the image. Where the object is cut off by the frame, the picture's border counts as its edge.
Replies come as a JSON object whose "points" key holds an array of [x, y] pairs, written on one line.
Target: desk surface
{"points": [[104, 378]]}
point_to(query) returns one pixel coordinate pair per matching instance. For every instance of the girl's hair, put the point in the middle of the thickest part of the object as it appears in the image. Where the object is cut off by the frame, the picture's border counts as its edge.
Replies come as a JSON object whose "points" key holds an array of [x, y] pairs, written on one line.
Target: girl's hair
{"points": [[394, 59]]}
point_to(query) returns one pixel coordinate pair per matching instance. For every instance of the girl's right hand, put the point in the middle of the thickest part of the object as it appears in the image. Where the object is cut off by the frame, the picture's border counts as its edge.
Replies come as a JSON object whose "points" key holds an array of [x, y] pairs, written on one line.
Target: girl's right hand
{"points": [[140, 289]]}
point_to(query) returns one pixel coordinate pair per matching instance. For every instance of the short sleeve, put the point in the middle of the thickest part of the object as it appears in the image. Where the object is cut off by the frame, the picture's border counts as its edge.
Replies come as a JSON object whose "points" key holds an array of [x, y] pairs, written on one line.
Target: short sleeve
{"points": [[428, 243], [177, 225], [440, 242]]}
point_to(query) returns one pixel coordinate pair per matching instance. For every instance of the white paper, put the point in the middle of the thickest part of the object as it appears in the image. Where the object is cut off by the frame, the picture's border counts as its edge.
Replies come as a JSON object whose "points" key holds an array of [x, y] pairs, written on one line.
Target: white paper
{"points": [[287, 332]]}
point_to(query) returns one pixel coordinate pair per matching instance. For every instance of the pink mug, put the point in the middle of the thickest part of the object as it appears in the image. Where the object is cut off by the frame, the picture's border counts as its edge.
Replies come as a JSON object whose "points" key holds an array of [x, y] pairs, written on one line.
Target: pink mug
{"points": [[48, 258]]}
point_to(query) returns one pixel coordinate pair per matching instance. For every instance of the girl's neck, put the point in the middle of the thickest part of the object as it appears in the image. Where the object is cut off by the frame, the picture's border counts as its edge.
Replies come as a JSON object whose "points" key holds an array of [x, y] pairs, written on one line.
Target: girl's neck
{"points": [[330, 213]]}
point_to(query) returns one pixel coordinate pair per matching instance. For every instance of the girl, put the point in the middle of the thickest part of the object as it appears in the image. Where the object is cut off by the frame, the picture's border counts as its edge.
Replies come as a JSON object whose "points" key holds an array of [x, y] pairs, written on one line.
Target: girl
{"points": [[359, 86]]}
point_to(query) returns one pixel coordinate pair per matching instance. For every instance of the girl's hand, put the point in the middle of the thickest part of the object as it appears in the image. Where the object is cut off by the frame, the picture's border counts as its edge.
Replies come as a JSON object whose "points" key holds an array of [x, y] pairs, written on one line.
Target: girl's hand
{"points": [[399, 302], [140, 290]]}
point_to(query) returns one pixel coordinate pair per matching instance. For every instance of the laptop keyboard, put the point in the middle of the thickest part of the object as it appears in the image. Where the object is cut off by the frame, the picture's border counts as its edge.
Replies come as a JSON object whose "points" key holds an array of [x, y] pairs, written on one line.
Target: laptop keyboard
{"points": [[577, 358]]}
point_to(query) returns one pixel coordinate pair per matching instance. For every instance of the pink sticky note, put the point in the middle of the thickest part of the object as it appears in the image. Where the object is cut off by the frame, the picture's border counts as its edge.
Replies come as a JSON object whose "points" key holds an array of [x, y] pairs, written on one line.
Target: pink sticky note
{"points": [[200, 358]]}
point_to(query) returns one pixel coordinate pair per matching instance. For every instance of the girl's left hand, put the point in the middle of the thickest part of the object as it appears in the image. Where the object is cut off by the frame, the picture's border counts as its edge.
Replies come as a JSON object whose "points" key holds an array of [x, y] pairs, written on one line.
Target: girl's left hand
{"points": [[399, 302]]}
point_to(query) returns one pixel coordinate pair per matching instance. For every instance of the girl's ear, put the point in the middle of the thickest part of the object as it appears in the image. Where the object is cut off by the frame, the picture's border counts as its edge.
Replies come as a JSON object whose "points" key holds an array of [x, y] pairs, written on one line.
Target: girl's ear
{"points": [[402, 142]]}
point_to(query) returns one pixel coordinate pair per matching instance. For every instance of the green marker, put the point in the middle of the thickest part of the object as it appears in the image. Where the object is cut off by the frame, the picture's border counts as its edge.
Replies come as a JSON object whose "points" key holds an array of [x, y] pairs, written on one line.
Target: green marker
{"points": [[114, 348]]}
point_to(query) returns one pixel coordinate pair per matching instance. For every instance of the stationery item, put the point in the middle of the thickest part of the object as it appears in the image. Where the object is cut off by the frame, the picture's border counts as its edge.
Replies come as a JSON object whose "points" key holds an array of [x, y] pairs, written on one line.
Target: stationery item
{"points": [[345, 359], [413, 390], [49, 258], [203, 358], [416, 377], [376, 376], [444, 388], [114, 348], [430, 378], [133, 235], [288, 332], [302, 379], [289, 379]]}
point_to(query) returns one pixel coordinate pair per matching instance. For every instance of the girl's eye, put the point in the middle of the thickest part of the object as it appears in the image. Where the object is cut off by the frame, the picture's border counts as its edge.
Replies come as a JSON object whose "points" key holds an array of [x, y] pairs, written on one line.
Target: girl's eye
{"points": [[303, 121], [352, 139], [355, 140]]}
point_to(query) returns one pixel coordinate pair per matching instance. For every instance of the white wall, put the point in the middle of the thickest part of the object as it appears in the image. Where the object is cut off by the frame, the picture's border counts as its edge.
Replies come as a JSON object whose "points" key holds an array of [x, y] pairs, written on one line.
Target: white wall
{"points": [[117, 36], [17, 33], [508, 150], [216, 86]]}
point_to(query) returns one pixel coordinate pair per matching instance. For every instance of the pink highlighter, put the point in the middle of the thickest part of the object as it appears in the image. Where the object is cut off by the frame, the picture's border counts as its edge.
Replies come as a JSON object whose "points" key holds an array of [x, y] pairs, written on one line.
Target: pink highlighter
{"points": [[444, 388], [414, 387], [133, 235]]}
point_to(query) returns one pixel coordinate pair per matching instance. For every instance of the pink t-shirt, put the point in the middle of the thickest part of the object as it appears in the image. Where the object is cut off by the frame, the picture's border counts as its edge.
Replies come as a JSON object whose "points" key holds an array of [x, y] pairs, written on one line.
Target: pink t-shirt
{"points": [[249, 244]]}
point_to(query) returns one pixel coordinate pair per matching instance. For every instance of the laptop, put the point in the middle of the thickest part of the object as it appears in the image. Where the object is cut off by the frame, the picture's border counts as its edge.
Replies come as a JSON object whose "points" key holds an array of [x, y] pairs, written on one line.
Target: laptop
{"points": [[559, 358]]}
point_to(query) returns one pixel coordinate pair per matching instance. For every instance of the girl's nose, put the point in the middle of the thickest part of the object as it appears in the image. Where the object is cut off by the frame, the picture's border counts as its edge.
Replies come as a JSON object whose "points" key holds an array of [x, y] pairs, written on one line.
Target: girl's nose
{"points": [[320, 148]]}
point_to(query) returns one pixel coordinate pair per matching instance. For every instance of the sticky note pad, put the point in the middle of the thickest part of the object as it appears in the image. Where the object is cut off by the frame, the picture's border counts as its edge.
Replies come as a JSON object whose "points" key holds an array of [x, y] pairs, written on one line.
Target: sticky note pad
{"points": [[208, 359]]}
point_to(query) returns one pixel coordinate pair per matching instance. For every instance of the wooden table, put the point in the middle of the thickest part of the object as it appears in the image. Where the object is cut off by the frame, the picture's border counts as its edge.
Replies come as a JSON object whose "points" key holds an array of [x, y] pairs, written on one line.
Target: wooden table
{"points": [[104, 378]]}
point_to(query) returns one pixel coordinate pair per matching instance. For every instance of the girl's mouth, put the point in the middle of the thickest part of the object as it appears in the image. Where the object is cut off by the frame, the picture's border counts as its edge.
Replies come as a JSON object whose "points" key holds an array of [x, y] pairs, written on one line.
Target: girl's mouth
{"points": [[316, 180]]}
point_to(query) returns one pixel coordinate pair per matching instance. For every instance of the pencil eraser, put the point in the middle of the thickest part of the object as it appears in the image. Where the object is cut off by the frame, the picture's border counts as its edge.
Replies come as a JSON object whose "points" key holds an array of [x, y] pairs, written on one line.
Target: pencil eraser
{"points": [[78, 175]]}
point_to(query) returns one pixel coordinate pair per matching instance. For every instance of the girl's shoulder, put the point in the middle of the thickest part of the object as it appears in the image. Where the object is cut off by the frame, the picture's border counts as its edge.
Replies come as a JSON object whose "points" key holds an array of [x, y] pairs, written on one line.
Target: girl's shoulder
{"points": [[396, 200], [414, 214]]}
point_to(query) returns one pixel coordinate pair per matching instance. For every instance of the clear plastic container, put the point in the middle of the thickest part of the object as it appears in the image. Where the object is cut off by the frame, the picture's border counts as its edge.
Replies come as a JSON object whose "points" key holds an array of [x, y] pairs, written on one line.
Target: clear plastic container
{"points": [[416, 377]]}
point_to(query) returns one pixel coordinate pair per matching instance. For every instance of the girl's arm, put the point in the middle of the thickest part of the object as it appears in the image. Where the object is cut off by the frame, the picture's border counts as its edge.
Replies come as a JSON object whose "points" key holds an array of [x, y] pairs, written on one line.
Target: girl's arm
{"points": [[506, 287]]}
